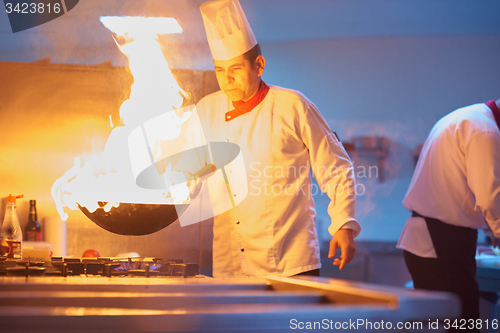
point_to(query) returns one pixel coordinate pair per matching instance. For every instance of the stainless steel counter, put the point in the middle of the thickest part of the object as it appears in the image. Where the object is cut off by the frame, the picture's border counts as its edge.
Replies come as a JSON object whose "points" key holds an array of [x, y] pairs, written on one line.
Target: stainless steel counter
{"points": [[488, 278], [100, 304]]}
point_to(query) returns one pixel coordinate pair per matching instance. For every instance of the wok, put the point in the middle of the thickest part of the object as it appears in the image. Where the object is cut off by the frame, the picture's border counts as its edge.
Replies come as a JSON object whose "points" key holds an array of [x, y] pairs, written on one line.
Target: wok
{"points": [[134, 219]]}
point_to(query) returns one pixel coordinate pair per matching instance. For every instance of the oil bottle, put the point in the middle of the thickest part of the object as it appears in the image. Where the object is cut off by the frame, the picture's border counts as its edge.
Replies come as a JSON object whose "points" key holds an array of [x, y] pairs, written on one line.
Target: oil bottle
{"points": [[11, 234]]}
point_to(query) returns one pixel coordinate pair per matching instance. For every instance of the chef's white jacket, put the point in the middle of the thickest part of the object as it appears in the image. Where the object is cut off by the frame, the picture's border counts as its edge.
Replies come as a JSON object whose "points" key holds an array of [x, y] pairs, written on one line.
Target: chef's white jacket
{"points": [[457, 178], [272, 231]]}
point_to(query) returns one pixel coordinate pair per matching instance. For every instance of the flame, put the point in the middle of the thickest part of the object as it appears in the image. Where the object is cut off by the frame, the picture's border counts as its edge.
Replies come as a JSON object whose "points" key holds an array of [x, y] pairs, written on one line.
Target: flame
{"points": [[141, 26], [107, 176]]}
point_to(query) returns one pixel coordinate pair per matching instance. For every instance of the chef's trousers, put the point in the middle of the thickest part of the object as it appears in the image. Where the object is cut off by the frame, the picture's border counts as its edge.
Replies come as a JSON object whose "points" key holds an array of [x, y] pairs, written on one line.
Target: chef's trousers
{"points": [[454, 269], [314, 272]]}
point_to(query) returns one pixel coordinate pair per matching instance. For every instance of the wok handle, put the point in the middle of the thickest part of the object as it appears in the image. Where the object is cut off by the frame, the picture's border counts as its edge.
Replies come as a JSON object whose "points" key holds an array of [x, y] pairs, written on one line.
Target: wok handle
{"points": [[207, 169]]}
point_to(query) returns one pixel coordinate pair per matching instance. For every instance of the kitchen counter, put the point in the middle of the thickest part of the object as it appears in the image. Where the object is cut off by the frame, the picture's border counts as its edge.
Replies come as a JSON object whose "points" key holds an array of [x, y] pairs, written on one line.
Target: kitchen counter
{"points": [[201, 304], [488, 269], [488, 278]]}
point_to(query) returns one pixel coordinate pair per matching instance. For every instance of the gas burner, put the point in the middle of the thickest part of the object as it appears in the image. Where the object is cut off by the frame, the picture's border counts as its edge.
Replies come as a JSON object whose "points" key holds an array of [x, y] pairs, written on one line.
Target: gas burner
{"points": [[146, 272], [110, 267], [30, 263], [184, 270], [120, 267], [25, 271]]}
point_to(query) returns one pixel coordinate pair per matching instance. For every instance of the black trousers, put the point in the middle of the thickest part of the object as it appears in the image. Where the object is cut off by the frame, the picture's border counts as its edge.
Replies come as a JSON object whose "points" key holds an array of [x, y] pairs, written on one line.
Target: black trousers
{"points": [[454, 269], [314, 272]]}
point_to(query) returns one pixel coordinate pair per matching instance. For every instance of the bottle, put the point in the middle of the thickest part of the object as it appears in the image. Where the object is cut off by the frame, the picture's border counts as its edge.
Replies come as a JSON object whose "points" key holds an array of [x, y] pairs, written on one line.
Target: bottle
{"points": [[11, 235], [32, 230]]}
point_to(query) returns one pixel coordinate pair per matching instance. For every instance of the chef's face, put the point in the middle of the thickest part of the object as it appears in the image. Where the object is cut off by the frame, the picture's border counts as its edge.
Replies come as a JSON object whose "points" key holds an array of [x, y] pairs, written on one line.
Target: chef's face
{"points": [[238, 77]]}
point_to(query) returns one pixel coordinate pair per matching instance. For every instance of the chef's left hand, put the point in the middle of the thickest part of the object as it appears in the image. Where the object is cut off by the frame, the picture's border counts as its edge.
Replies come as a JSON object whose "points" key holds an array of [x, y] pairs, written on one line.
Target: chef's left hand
{"points": [[343, 240]]}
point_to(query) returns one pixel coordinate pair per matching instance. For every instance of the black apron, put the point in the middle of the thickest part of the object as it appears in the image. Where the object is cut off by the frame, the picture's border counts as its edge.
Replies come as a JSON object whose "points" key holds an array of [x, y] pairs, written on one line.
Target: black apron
{"points": [[452, 243]]}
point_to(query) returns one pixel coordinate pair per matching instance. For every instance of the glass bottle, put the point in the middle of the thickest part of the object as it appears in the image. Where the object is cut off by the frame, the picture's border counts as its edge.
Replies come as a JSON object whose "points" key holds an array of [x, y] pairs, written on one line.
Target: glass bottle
{"points": [[32, 230], [11, 234]]}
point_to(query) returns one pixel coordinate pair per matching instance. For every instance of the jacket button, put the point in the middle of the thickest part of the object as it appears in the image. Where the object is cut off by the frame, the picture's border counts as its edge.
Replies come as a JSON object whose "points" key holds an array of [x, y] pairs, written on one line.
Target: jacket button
{"points": [[237, 222], [242, 250]]}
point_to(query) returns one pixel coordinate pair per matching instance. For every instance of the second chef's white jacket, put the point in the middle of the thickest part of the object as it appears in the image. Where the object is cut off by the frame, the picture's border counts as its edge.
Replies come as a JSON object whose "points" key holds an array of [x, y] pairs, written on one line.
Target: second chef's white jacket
{"points": [[457, 178], [272, 231]]}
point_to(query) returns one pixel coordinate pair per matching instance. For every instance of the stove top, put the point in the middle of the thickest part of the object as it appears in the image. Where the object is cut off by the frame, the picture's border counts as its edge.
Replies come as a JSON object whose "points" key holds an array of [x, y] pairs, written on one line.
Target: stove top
{"points": [[110, 267]]}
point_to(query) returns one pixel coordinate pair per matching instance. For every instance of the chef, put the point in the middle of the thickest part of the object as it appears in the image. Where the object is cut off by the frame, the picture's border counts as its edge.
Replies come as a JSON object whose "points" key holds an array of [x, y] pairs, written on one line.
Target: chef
{"points": [[455, 190], [282, 136]]}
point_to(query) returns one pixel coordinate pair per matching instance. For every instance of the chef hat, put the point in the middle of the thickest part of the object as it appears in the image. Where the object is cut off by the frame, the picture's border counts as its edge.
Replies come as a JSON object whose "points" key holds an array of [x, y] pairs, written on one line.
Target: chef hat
{"points": [[228, 32]]}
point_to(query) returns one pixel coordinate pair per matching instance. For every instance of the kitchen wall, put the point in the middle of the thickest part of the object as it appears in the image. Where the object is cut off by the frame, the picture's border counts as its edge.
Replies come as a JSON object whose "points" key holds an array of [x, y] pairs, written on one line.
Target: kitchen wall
{"points": [[52, 113], [386, 68], [396, 87]]}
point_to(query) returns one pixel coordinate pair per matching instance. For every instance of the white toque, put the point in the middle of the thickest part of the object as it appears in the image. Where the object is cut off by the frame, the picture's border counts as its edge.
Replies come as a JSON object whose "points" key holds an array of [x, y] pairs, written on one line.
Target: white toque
{"points": [[228, 32]]}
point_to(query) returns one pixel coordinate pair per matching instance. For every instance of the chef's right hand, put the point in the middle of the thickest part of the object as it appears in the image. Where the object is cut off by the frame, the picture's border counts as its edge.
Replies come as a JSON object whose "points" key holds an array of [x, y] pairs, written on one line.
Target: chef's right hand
{"points": [[194, 180], [194, 186]]}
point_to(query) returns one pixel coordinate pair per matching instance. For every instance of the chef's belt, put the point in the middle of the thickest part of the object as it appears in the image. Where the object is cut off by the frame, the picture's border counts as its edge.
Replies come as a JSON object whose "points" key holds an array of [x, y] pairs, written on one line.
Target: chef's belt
{"points": [[452, 243]]}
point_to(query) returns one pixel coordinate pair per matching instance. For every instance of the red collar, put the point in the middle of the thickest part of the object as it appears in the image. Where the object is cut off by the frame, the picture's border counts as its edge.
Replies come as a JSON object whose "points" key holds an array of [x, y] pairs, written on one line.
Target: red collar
{"points": [[494, 109], [241, 108]]}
